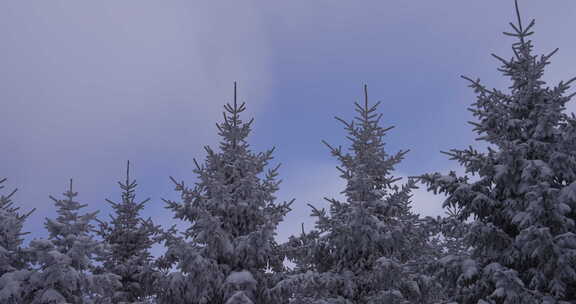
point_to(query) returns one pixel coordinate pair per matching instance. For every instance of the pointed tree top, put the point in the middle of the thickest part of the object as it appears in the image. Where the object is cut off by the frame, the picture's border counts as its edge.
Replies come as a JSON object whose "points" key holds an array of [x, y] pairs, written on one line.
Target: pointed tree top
{"points": [[518, 15], [519, 29], [128, 172], [366, 96], [70, 193], [235, 104], [235, 118]]}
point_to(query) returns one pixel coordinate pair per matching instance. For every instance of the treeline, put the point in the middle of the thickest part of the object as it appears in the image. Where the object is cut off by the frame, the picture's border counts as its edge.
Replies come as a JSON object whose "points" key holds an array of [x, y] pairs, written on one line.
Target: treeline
{"points": [[508, 237]]}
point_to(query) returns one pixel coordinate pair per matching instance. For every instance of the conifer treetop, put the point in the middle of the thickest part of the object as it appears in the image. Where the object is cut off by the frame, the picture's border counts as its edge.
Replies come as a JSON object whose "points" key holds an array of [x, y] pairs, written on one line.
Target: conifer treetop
{"points": [[368, 166], [232, 130], [7, 205], [232, 215], [127, 205], [495, 108], [66, 258], [11, 223], [523, 204], [67, 210], [129, 238], [69, 203], [365, 249], [69, 222]]}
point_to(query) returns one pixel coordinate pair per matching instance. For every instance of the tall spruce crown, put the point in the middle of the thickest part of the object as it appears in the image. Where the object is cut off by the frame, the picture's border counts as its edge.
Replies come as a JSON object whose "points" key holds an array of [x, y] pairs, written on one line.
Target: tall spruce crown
{"points": [[524, 203], [228, 253], [365, 249]]}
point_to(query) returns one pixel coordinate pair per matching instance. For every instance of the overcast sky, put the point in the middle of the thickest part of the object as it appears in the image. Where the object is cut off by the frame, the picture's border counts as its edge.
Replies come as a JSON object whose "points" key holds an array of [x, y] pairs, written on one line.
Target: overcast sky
{"points": [[87, 85]]}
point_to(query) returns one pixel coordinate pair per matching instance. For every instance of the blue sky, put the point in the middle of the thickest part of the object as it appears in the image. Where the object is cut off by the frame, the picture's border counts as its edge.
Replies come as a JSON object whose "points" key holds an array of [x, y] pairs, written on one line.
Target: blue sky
{"points": [[87, 85]]}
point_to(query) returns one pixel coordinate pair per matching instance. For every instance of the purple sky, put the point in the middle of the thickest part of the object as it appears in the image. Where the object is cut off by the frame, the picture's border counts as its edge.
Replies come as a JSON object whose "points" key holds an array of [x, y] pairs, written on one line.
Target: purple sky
{"points": [[86, 85]]}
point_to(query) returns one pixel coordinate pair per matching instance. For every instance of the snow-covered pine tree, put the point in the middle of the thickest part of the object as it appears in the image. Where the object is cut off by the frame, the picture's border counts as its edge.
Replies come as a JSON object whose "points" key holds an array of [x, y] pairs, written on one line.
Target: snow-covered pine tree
{"points": [[130, 238], [524, 203], [229, 247], [11, 223], [14, 262], [66, 258], [366, 249]]}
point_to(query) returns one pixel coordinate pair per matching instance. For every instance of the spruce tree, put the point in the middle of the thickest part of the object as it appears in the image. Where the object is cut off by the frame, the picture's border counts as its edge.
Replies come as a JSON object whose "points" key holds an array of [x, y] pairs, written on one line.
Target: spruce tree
{"points": [[366, 249], [524, 203], [130, 238], [66, 259], [11, 223], [228, 253], [14, 261]]}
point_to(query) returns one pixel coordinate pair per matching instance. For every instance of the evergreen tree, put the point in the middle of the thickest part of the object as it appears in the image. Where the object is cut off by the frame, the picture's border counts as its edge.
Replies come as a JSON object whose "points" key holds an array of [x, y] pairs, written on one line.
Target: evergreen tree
{"points": [[366, 249], [524, 203], [11, 223], [227, 250], [14, 262], [130, 238], [66, 259]]}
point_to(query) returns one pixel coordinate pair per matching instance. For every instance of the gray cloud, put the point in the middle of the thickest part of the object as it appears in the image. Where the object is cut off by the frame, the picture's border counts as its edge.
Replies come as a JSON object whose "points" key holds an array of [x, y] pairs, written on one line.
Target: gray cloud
{"points": [[86, 85]]}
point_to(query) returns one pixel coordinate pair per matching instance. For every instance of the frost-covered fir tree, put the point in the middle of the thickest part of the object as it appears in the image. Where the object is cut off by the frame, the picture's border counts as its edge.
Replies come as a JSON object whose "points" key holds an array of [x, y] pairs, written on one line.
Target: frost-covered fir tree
{"points": [[367, 248], [524, 202], [65, 259], [130, 238], [14, 262], [11, 223], [228, 253]]}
